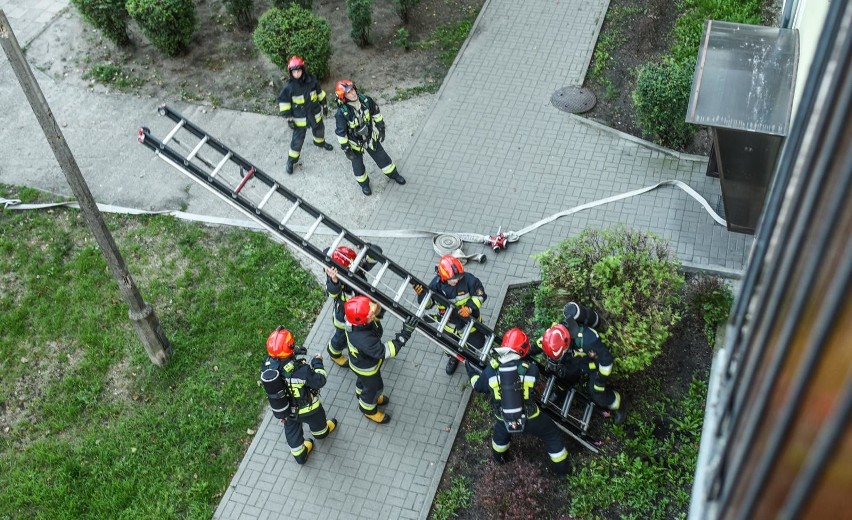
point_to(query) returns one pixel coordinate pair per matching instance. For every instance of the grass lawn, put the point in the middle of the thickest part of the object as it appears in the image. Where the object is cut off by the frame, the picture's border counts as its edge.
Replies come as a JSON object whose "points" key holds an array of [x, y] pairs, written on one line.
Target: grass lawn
{"points": [[90, 428]]}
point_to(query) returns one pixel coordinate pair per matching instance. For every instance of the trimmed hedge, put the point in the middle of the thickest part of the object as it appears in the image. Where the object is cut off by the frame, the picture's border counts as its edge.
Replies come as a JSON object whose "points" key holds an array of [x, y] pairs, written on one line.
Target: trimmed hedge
{"points": [[360, 13], [107, 16], [168, 24], [629, 276], [661, 99], [281, 33]]}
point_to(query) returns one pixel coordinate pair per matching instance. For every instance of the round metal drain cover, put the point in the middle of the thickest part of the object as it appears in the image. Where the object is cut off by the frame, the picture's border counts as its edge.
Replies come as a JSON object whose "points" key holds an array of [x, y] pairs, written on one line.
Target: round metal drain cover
{"points": [[575, 100]]}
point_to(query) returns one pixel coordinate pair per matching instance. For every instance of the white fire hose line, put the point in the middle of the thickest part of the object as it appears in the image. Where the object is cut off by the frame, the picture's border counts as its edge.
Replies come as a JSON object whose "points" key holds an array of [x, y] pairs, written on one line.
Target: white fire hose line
{"points": [[443, 242]]}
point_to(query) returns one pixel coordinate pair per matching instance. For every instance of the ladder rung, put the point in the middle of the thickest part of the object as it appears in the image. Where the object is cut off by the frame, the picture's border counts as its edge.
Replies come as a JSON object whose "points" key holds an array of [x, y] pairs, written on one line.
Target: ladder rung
{"points": [[566, 406], [465, 334], [587, 416], [174, 131], [486, 349], [381, 273], [221, 164], [401, 290], [290, 212], [312, 229], [446, 319], [424, 305], [195, 150], [336, 243], [353, 267], [266, 197]]}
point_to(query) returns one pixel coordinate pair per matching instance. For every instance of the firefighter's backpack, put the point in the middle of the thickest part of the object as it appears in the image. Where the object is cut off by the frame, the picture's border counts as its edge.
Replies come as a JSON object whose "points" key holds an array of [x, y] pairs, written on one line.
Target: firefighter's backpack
{"points": [[279, 394], [512, 396]]}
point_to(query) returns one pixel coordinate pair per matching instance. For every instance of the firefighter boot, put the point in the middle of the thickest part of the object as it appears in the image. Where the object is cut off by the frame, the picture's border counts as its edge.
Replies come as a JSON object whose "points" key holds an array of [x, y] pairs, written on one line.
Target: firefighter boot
{"points": [[339, 359], [365, 187], [379, 417], [500, 457], [331, 424], [290, 163], [303, 457], [452, 365], [383, 400], [397, 178], [324, 145]]}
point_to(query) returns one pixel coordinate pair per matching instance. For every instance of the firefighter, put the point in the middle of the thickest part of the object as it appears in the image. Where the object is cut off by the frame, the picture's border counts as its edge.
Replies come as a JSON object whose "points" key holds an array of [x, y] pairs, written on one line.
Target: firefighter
{"points": [[574, 349], [360, 127], [367, 353], [509, 381], [302, 102], [340, 293], [298, 398], [466, 293]]}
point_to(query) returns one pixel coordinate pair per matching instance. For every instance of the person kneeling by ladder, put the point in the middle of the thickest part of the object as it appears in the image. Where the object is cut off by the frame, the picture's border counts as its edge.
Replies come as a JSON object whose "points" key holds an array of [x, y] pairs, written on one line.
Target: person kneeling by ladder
{"points": [[509, 381], [292, 387]]}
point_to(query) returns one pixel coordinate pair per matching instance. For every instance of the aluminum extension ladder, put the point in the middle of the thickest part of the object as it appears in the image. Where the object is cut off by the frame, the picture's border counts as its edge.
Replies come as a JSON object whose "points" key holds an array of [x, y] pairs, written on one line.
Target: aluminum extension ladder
{"points": [[285, 214]]}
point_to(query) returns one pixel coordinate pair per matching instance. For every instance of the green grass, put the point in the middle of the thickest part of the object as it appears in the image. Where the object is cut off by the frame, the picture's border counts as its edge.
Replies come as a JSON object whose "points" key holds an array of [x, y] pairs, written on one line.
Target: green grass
{"points": [[450, 501], [616, 23], [407, 93], [652, 475], [110, 74], [95, 430], [448, 38]]}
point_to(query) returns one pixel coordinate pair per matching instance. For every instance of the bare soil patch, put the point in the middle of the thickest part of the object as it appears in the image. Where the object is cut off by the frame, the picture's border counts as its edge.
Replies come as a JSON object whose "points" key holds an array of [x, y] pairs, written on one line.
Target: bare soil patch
{"points": [[222, 68]]}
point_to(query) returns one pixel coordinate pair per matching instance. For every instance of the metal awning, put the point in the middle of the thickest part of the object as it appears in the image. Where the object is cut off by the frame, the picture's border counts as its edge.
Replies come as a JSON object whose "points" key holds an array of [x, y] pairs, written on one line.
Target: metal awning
{"points": [[744, 78]]}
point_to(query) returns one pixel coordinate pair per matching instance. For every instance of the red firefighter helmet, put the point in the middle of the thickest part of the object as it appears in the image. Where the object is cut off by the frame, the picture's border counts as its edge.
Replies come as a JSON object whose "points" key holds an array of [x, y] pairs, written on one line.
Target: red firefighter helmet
{"points": [[343, 86], [516, 340], [343, 255], [556, 341], [295, 62], [279, 344], [449, 267], [357, 310]]}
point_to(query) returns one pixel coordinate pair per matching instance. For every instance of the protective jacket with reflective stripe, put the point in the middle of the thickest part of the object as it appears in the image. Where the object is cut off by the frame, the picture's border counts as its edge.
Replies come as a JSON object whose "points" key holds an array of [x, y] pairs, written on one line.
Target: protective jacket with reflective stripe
{"points": [[366, 350], [304, 380], [301, 97]]}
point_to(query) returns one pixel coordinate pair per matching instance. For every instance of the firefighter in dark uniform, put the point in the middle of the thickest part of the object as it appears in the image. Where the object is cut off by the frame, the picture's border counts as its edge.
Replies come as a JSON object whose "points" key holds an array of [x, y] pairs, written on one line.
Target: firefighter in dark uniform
{"points": [[574, 349], [302, 102], [359, 127], [367, 353], [466, 293], [340, 293], [304, 381], [526, 415]]}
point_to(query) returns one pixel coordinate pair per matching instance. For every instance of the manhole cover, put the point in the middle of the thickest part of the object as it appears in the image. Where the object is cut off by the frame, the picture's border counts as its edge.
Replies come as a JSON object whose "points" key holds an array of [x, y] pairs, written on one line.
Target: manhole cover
{"points": [[575, 100]]}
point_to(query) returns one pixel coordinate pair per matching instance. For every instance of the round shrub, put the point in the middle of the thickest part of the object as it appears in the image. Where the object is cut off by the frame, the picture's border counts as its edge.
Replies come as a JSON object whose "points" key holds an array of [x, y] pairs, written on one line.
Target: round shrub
{"points": [[360, 13], [282, 33], [168, 24], [661, 98], [629, 276], [107, 16]]}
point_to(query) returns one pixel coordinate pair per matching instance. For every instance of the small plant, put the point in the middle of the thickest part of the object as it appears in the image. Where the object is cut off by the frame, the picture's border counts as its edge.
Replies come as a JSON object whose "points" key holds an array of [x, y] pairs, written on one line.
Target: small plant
{"points": [[360, 13], [110, 74], [709, 298], [514, 491], [282, 33], [450, 501], [408, 93], [628, 276], [242, 11], [450, 37], [107, 16], [402, 38], [168, 24], [660, 99], [284, 4], [403, 8]]}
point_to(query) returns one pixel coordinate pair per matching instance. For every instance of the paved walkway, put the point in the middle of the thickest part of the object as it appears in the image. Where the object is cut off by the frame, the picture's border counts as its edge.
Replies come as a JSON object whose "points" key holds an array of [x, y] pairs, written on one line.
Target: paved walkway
{"points": [[492, 152]]}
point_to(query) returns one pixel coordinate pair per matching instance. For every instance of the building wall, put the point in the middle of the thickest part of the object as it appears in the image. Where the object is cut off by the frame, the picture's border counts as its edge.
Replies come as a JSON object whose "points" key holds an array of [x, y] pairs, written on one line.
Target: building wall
{"points": [[808, 16]]}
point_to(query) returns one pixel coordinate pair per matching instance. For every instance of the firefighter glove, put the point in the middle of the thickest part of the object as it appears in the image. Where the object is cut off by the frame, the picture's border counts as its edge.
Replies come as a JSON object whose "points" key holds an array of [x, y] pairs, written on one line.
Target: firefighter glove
{"points": [[381, 134], [464, 311], [409, 326], [291, 124], [349, 153], [418, 289]]}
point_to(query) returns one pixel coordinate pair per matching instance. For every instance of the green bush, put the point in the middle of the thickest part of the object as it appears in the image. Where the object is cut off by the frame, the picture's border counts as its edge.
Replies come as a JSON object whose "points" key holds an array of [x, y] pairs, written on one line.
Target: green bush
{"points": [[661, 98], [107, 16], [402, 38], [690, 26], [284, 4], [630, 277], [403, 8], [360, 13], [168, 24], [282, 33], [709, 298], [242, 11]]}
